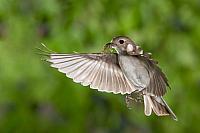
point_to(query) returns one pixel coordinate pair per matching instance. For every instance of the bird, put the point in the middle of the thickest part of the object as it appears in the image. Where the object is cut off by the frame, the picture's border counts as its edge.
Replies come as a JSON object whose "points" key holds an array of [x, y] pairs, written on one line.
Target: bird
{"points": [[121, 68]]}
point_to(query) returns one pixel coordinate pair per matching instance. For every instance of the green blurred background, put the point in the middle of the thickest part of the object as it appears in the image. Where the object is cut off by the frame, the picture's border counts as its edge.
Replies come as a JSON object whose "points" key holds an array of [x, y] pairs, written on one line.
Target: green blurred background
{"points": [[37, 98]]}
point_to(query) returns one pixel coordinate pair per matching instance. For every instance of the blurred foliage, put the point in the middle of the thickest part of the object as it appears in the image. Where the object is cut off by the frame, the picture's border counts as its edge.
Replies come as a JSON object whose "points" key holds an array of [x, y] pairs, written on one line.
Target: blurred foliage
{"points": [[37, 98]]}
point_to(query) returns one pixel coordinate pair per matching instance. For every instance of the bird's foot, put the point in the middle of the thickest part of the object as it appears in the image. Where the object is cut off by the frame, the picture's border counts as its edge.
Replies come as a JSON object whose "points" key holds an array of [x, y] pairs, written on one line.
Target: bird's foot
{"points": [[129, 100], [133, 98]]}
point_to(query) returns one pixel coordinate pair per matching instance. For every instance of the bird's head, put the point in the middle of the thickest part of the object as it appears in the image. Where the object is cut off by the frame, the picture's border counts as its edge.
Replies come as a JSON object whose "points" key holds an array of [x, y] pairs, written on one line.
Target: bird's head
{"points": [[123, 45]]}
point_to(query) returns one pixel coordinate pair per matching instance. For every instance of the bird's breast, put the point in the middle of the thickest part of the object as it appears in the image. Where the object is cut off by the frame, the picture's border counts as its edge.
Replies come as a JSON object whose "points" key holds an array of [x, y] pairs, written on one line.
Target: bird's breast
{"points": [[135, 70]]}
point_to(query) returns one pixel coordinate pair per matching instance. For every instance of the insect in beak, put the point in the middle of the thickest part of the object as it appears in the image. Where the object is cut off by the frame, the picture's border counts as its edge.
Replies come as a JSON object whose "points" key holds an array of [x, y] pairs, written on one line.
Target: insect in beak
{"points": [[109, 47]]}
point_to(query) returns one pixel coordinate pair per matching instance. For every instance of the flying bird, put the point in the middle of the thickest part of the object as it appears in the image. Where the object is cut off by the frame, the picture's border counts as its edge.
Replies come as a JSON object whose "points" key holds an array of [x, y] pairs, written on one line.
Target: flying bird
{"points": [[121, 68]]}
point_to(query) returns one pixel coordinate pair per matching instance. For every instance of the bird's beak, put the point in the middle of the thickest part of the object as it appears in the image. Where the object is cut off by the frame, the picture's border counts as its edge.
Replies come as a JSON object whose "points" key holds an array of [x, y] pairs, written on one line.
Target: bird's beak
{"points": [[107, 47], [110, 45]]}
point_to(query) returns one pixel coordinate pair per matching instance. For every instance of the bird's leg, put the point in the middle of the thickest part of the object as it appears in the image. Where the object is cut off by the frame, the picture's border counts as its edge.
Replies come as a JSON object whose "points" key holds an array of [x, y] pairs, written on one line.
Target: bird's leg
{"points": [[129, 100], [133, 97], [139, 97]]}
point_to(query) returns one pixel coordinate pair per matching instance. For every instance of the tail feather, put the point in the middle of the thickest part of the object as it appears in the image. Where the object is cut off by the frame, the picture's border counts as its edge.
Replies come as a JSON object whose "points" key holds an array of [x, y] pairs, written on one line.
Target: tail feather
{"points": [[148, 107], [158, 105]]}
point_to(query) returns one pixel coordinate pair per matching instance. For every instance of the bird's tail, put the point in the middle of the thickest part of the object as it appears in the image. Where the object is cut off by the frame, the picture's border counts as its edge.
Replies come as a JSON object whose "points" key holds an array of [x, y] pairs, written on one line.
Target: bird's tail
{"points": [[158, 105]]}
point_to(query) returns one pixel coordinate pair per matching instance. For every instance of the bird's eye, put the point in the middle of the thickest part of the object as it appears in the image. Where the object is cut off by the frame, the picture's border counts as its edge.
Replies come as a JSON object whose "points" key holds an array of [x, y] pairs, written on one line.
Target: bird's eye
{"points": [[121, 41]]}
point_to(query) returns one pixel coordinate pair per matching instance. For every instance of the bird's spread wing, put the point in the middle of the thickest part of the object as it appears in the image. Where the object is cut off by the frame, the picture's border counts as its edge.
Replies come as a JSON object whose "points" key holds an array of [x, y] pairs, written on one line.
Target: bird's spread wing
{"points": [[158, 81], [99, 71]]}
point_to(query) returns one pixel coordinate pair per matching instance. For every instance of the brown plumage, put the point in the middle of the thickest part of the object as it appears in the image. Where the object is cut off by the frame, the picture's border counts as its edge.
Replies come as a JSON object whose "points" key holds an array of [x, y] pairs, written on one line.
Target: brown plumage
{"points": [[129, 70]]}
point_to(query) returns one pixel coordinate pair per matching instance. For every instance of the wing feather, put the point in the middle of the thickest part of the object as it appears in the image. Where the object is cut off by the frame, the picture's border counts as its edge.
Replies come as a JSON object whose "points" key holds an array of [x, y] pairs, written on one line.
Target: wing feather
{"points": [[109, 77], [104, 79], [83, 75], [97, 77], [114, 79], [91, 74], [120, 82], [99, 71], [158, 81], [79, 71]]}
